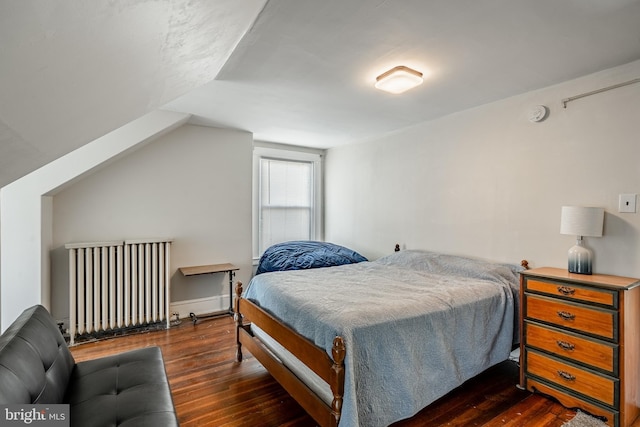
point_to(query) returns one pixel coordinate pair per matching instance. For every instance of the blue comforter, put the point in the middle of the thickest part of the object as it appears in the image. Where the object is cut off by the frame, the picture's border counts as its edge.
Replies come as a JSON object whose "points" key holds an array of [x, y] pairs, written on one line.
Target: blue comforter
{"points": [[416, 325], [300, 255]]}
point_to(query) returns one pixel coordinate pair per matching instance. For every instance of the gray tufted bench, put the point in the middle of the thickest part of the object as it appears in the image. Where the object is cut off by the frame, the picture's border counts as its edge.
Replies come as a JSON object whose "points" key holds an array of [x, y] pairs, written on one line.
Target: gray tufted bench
{"points": [[127, 389]]}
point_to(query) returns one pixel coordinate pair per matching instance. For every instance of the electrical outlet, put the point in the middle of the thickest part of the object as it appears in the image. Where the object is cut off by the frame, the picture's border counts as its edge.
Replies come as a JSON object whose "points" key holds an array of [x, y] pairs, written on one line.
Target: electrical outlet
{"points": [[627, 203]]}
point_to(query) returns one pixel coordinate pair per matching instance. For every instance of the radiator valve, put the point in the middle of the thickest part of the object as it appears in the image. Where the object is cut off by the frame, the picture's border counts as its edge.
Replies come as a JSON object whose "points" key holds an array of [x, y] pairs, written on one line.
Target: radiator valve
{"points": [[177, 320]]}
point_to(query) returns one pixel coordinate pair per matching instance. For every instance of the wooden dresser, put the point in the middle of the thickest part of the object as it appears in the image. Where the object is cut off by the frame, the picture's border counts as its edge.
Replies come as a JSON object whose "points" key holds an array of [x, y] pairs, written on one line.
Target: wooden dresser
{"points": [[580, 341]]}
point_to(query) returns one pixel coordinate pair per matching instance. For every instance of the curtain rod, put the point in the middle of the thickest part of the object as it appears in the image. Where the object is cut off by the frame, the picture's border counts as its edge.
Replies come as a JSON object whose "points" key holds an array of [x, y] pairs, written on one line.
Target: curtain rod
{"points": [[593, 92]]}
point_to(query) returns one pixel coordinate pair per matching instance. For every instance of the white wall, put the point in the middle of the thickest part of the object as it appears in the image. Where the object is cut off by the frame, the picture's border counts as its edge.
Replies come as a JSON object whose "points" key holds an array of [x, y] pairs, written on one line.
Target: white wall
{"points": [[25, 210], [486, 182], [192, 185]]}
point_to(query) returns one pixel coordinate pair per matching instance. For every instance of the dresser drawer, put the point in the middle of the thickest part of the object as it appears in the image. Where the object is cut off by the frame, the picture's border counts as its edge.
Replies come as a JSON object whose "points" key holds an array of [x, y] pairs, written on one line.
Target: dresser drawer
{"points": [[596, 386], [573, 292], [610, 417], [591, 320], [595, 353]]}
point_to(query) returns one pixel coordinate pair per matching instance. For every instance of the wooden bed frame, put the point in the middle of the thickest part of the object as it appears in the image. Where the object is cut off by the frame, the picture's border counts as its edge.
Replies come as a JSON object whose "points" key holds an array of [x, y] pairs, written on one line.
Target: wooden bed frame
{"points": [[314, 357]]}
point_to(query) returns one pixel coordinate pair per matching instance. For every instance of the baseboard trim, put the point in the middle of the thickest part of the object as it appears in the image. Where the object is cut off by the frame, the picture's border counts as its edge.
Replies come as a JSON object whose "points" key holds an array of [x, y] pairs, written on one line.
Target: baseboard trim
{"points": [[200, 306]]}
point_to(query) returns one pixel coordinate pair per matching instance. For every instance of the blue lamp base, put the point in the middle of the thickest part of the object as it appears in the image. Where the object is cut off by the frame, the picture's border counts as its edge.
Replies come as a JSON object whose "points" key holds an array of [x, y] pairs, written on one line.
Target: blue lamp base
{"points": [[580, 258]]}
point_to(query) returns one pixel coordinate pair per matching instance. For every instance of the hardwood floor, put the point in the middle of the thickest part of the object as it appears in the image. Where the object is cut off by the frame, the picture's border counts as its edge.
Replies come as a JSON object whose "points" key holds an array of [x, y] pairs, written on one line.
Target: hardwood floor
{"points": [[210, 389]]}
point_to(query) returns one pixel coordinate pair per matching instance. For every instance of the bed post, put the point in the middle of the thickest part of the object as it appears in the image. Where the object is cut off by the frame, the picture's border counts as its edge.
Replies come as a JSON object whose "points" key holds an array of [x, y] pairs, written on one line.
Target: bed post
{"points": [[337, 378], [237, 316]]}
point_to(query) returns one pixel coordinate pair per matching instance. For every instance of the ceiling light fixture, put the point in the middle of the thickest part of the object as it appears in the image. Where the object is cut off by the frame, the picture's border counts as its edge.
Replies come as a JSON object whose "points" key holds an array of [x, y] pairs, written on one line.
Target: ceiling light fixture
{"points": [[398, 79]]}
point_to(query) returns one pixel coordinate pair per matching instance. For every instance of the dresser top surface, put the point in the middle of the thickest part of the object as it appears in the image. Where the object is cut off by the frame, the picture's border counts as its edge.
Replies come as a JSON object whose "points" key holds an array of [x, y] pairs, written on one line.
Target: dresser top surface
{"points": [[602, 280]]}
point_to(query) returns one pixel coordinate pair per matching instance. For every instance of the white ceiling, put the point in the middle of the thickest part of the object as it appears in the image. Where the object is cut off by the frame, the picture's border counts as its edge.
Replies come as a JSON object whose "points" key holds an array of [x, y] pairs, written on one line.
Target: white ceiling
{"points": [[74, 70], [290, 71]]}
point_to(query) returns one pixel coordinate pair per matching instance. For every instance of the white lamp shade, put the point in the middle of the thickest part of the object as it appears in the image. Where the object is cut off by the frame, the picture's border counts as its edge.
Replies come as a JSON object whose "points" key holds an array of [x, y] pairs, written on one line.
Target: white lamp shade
{"points": [[582, 221]]}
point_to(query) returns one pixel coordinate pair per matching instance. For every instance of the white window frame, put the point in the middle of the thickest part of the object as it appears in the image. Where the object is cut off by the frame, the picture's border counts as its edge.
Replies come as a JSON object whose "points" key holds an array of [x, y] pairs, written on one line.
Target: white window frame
{"points": [[291, 153]]}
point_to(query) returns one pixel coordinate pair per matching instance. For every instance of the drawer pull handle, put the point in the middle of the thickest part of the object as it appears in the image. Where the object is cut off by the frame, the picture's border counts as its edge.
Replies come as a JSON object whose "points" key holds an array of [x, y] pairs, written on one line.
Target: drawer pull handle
{"points": [[565, 345], [565, 290], [566, 315], [567, 376]]}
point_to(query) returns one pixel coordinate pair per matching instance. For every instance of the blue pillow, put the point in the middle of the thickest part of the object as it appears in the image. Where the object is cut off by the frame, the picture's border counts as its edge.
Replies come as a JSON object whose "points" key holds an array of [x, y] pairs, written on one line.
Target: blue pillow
{"points": [[299, 255]]}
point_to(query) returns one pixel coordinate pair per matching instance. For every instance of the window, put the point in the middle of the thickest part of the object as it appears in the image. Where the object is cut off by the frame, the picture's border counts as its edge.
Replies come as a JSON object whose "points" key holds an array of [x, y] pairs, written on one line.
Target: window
{"points": [[287, 197]]}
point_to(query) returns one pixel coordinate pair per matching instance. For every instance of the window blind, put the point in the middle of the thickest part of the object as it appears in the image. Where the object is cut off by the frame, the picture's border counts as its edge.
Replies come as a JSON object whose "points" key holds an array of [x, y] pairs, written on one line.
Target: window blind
{"points": [[286, 201]]}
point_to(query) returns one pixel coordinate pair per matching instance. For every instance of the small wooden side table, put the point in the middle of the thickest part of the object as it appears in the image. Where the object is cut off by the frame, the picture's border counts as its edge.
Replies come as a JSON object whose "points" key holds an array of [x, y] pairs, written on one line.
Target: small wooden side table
{"points": [[211, 269]]}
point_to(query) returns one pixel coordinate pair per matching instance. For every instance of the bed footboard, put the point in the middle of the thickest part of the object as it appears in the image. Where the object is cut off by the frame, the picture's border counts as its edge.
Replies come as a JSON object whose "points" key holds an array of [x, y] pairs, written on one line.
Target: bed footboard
{"points": [[314, 357]]}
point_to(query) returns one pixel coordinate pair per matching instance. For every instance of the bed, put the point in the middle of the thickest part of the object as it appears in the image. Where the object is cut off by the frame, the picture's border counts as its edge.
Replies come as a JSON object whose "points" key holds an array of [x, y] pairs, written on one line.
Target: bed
{"points": [[371, 343]]}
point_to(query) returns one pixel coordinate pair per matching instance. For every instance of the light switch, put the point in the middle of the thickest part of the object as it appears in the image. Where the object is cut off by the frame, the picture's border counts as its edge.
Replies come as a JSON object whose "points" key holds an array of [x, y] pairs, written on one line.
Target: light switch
{"points": [[627, 203]]}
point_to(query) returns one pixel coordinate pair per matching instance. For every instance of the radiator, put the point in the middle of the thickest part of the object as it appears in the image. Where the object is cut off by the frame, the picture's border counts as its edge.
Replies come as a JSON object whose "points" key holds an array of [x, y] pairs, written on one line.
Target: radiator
{"points": [[117, 286]]}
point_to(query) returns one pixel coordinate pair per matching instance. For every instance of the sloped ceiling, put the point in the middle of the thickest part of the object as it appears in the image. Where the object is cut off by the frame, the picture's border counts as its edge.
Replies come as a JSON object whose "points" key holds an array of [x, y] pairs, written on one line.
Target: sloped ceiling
{"points": [[290, 71], [72, 71]]}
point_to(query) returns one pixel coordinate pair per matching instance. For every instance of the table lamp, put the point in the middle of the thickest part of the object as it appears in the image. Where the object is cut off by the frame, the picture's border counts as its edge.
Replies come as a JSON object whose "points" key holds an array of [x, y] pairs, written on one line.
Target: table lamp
{"points": [[581, 221]]}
